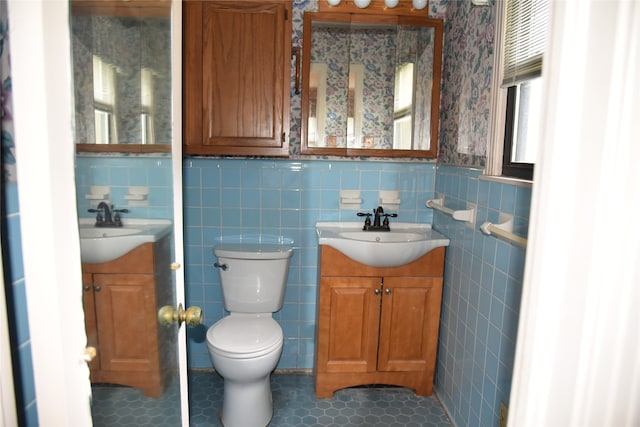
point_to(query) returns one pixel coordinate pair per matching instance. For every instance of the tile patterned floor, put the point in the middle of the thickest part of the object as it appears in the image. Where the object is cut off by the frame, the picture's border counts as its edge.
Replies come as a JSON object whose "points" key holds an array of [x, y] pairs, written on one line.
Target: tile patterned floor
{"points": [[294, 405]]}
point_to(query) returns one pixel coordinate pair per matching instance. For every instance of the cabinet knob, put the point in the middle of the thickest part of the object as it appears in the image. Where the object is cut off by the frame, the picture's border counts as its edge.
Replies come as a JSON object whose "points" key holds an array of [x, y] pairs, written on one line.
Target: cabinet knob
{"points": [[86, 288], [387, 291], [192, 316], [377, 291], [97, 288]]}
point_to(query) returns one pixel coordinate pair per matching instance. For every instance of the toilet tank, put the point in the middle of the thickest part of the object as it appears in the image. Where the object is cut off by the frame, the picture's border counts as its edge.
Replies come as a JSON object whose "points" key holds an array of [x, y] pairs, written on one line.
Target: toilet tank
{"points": [[253, 276]]}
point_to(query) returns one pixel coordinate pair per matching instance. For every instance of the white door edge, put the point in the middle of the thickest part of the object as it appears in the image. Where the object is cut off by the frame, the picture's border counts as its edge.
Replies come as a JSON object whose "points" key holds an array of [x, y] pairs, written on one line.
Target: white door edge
{"points": [[45, 155], [176, 158]]}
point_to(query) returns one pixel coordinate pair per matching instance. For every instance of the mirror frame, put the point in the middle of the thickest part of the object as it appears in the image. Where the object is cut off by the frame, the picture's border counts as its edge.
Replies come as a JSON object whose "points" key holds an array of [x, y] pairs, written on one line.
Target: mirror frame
{"points": [[130, 8], [436, 24]]}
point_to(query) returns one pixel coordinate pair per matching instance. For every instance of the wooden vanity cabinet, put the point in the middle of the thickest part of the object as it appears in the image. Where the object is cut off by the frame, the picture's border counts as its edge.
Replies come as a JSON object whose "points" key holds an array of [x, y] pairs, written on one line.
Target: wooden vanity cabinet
{"points": [[377, 325], [236, 74], [121, 300]]}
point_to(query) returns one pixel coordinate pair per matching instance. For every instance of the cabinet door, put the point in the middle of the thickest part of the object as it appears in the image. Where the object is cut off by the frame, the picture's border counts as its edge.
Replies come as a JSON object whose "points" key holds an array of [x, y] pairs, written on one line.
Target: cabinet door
{"points": [[126, 317], [409, 323], [90, 317], [348, 324], [237, 77]]}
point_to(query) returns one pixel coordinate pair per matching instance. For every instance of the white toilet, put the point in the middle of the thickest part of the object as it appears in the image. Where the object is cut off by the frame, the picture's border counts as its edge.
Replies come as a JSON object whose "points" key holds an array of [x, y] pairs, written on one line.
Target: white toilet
{"points": [[246, 345]]}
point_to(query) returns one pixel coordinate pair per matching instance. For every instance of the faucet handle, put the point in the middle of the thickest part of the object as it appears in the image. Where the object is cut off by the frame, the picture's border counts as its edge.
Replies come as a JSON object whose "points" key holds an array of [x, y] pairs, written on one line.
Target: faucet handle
{"points": [[116, 218], [367, 221], [99, 218], [385, 223]]}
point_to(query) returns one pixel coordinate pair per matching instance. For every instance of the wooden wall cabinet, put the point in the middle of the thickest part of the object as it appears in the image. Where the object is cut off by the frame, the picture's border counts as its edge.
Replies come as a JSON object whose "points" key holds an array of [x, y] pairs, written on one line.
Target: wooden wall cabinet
{"points": [[237, 72], [121, 300], [377, 325]]}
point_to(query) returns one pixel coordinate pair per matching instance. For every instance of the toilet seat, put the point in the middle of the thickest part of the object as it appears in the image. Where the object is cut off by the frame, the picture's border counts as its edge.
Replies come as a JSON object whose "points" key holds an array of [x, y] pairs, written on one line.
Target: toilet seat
{"points": [[245, 337]]}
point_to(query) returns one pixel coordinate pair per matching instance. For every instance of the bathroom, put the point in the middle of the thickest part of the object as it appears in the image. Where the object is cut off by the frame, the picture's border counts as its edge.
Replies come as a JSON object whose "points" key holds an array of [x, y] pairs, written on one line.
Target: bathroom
{"points": [[473, 374]]}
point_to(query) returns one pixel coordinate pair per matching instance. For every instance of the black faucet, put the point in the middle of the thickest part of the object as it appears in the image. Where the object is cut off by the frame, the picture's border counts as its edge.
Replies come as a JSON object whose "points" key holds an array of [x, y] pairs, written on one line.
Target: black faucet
{"points": [[104, 218], [377, 214]]}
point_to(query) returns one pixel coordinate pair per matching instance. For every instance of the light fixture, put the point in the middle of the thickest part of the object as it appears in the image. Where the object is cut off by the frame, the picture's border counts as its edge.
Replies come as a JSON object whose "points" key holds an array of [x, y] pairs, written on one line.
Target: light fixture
{"points": [[362, 3], [419, 4]]}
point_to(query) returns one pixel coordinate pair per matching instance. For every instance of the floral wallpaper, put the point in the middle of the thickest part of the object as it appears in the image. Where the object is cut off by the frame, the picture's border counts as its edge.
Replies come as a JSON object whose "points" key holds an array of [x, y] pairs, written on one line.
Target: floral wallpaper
{"points": [[466, 79], [464, 110], [8, 145], [127, 44], [341, 48], [332, 48], [437, 9], [466, 84]]}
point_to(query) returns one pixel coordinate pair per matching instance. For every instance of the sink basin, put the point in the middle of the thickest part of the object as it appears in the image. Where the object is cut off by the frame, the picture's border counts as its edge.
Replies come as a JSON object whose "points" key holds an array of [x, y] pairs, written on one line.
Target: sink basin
{"points": [[93, 233], [405, 243], [105, 244], [382, 236]]}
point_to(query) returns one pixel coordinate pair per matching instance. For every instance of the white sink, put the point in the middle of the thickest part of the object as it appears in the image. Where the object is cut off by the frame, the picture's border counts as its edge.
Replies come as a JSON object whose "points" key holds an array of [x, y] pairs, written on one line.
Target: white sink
{"points": [[104, 244], [405, 243]]}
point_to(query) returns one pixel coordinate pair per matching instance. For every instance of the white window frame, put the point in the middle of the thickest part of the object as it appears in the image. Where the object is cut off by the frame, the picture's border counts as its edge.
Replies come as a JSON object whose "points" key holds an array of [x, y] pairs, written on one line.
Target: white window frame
{"points": [[498, 106], [498, 99]]}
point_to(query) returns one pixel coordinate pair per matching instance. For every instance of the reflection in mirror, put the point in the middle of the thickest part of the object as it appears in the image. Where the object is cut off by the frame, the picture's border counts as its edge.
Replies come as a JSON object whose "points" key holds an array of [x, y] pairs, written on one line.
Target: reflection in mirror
{"points": [[371, 85], [317, 112], [126, 87], [122, 85], [330, 78]]}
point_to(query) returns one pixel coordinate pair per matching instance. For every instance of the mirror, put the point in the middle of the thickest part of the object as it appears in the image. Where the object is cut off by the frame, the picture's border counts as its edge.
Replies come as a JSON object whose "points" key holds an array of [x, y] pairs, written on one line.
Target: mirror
{"points": [[122, 73], [369, 85], [137, 359]]}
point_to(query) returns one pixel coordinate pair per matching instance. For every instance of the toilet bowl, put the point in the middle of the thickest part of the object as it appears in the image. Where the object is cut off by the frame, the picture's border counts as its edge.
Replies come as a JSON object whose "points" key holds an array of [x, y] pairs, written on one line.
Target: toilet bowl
{"points": [[245, 346], [244, 351]]}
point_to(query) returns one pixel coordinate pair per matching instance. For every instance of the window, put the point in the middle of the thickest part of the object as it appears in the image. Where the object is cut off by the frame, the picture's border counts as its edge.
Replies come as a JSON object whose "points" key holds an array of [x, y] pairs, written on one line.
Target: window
{"points": [[403, 107], [147, 135], [522, 125], [517, 72], [104, 101]]}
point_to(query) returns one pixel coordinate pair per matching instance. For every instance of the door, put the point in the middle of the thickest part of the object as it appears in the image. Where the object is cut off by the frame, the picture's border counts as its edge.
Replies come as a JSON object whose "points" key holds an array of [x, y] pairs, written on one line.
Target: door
{"points": [[90, 325], [409, 322], [134, 350], [236, 59], [49, 227], [126, 302], [131, 301], [349, 316]]}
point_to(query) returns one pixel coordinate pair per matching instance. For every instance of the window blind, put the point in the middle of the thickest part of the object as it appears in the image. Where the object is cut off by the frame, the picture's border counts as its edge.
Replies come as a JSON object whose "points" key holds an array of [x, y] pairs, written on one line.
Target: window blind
{"points": [[146, 88], [104, 83], [525, 39]]}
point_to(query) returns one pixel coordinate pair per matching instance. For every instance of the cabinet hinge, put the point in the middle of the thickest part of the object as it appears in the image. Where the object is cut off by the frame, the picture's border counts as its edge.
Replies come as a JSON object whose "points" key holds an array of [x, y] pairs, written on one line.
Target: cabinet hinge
{"points": [[284, 137], [286, 15]]}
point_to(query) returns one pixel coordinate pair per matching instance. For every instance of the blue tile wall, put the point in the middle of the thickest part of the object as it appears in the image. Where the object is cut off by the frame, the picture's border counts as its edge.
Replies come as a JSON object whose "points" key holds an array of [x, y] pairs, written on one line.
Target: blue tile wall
{"points": [[17, 308], [481, 298], [229, 200], [271, 200], [119, 173]]}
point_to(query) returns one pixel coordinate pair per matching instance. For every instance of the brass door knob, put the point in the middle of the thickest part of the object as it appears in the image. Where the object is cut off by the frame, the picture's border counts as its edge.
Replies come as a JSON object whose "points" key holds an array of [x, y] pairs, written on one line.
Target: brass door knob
{"points": [[192, 316], [89, 354]]}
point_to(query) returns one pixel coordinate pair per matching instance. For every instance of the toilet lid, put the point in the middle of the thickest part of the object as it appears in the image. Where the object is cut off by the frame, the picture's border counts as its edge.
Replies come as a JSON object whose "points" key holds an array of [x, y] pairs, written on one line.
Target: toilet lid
{"points": [[245, 337]]}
